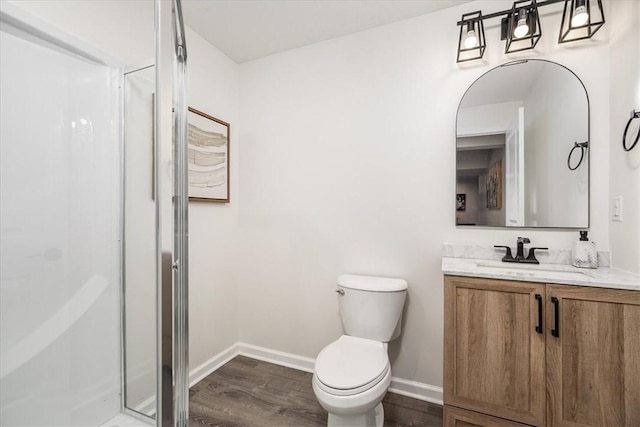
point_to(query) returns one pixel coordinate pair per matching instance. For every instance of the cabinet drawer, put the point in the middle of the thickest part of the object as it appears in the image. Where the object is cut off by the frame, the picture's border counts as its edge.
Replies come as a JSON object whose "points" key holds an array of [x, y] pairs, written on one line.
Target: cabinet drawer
{"points": [[456, 417]]}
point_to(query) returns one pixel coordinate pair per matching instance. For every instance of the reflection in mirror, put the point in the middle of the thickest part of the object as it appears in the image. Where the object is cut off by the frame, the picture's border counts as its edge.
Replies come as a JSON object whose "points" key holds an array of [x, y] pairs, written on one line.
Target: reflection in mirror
{"points": [[139, 244], [515, 128]]}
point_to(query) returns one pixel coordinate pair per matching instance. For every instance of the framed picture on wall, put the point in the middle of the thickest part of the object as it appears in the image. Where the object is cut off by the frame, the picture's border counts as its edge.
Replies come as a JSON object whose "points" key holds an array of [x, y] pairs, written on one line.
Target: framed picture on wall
{"points": [[461, 202], [494, 186], [208, 157]]}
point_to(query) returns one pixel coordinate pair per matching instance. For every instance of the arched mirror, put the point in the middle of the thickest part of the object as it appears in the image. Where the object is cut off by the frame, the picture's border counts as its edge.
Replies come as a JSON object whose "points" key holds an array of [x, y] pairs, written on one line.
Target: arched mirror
{"points": [[522, 148]]}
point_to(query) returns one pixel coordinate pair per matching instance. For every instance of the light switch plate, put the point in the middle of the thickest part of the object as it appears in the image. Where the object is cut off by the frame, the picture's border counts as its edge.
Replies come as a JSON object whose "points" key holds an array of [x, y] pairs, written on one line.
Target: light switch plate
{"points": [[616, 209]]}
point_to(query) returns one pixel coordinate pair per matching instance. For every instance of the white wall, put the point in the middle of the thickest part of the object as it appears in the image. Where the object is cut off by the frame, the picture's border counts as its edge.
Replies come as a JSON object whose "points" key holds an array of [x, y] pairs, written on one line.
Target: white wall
{"points": [[486, 119], [213, 227], [625, 166], [348, 166]]}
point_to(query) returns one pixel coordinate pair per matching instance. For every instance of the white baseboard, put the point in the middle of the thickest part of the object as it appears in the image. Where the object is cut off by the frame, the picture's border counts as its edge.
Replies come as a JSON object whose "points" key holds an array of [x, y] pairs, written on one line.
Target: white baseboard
{"points": [[281, 358], [197, 374], [147, 406], [414, 389]]}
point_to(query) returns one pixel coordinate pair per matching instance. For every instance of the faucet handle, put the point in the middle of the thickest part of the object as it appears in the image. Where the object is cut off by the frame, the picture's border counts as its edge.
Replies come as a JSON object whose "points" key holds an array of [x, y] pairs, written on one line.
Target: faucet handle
{"points": [[508, 256], [531, 258]]}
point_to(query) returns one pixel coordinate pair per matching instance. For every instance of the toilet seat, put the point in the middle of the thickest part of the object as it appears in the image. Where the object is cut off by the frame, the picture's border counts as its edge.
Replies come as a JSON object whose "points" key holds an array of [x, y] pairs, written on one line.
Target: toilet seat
{"points": [[351, 365]]}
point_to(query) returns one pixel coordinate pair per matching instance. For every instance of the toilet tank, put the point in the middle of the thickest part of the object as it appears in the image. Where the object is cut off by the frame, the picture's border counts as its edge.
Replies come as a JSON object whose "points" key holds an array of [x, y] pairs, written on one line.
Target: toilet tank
{"points": [[371, 307]]}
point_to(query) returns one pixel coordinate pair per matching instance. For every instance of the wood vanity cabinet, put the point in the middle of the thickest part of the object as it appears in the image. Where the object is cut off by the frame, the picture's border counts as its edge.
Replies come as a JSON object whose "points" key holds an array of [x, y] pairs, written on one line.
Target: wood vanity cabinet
{"points": [[494, 358], [536, 354], [593, 366]]}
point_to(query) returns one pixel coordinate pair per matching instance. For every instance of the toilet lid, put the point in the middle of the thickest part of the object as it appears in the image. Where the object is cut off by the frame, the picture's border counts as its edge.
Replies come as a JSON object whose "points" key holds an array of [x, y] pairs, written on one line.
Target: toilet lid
{"points": [[351, 362]]}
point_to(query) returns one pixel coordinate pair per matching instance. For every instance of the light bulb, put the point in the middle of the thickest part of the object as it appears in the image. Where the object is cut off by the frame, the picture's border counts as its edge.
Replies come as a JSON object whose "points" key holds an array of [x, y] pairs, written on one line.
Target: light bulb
{"points": [[522, 29], [580, 16], [471, 40]]}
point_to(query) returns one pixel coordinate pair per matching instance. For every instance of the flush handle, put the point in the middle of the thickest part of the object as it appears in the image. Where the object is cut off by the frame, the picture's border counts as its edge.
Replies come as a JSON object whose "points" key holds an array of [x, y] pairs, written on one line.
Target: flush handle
{"points": [[340, 291]]}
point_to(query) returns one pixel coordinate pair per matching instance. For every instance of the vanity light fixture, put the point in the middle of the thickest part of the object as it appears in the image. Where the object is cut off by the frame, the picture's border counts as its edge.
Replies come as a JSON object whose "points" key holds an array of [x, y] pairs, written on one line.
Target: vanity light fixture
{"points": [[521, 28], [471, 43], [581, 19]]}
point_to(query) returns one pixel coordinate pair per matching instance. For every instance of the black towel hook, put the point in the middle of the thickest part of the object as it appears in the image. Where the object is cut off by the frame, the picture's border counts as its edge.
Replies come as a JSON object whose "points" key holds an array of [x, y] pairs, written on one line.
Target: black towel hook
{"points": [[634, 115], [583, 147]]}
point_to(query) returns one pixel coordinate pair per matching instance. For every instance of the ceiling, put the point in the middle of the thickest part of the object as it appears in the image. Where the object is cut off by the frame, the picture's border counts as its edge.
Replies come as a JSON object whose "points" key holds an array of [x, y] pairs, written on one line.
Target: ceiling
{"points": [[249, 29]]}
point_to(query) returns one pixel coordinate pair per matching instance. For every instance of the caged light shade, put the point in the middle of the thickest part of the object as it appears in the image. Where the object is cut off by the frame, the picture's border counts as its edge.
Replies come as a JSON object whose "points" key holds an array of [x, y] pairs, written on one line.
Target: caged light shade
{"points": [[581, 19], [471, 43], [522, 26]]}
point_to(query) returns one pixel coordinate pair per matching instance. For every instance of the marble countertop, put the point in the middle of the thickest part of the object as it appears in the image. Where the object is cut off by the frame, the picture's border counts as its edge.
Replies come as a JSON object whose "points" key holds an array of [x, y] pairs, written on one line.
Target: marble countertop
{"points": [[489, 267]]}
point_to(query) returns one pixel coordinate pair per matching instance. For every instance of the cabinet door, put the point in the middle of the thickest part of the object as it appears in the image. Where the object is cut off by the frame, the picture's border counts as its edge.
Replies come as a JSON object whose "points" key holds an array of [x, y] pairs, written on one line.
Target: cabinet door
{"points": [[593, 364], [456, 417], [494, 357]]}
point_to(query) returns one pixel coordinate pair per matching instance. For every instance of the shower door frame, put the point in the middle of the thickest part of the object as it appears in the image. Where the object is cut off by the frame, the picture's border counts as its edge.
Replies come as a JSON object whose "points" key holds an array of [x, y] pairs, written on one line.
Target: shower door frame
{"points": [[123, 220], [171, 221], [172, 394]]}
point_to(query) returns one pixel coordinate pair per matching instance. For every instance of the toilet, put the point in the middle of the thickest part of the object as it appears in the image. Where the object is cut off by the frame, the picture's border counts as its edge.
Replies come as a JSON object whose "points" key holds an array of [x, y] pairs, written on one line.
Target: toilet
{"points": [[352, 374]]}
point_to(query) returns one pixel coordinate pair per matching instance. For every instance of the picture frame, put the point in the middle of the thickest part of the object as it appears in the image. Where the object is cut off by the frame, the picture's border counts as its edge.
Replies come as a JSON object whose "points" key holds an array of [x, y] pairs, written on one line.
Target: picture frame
{"points": [[461, 202], [208, 157], [494, 186]]}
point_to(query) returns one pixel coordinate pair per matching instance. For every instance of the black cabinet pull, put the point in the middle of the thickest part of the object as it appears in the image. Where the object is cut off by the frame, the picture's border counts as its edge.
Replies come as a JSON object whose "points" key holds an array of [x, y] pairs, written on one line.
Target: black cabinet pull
{"points": [[539, 326], [556, 314]]}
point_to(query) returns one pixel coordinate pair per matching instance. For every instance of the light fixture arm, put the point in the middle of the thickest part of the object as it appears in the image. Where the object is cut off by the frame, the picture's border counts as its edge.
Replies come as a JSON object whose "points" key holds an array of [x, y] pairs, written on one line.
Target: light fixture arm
{"points": [[508, 12]]}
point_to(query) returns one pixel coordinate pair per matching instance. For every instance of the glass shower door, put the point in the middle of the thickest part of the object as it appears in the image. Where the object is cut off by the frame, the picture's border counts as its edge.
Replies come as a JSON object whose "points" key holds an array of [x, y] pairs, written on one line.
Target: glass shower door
{"points": [[139, 243], [156, 229], [59, 233]]}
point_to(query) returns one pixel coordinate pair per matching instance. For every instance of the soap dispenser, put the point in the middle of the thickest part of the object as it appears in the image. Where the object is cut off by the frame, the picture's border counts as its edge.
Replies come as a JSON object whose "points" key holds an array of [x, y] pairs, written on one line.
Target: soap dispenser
{"points": [[584, 253]]}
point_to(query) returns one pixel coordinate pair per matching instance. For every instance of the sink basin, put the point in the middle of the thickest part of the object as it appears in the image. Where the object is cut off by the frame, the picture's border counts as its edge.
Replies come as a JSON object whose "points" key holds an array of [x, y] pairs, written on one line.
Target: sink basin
{"points": [[534, 270]]}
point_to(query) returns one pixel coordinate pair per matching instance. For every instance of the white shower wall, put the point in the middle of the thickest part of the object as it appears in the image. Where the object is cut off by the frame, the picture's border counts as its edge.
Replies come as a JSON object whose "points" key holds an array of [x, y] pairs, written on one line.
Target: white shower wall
{"points": [[59, 224]]}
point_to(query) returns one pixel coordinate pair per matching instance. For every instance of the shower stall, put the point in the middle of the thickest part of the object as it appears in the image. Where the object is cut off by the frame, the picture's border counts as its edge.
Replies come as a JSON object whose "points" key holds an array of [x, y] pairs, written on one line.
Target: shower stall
{"points": [[93, 226]]}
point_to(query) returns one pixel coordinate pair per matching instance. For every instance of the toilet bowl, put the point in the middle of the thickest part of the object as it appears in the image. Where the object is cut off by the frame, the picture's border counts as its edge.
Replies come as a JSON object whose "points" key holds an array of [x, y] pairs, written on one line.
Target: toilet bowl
{"points": [[350, 379], [352, 374]]}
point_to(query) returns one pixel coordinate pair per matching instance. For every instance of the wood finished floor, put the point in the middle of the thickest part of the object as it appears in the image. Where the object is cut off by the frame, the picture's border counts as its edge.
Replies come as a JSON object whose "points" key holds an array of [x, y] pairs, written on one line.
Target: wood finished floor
{"points": [[252, 393]]}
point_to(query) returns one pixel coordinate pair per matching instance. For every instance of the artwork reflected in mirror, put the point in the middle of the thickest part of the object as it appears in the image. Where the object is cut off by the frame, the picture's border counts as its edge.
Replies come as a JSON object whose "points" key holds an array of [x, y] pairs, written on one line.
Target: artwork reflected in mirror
{"points": [[493, 182], [516, 125]]}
